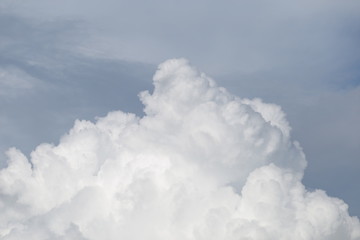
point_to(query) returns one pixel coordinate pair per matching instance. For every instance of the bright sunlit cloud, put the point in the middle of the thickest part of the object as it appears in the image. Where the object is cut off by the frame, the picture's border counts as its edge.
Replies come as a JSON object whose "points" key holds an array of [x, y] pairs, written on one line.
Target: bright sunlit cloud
{"points": [[201, 164]]}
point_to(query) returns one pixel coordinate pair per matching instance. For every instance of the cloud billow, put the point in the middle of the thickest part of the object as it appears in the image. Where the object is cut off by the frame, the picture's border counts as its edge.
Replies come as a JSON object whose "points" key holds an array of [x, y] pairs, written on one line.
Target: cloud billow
{"points": [[201, 164]]}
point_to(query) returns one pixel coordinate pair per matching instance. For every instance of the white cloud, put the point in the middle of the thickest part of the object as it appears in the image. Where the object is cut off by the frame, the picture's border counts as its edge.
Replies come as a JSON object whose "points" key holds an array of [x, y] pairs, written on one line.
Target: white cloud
{"points": [[201, 164], [291, 53]]}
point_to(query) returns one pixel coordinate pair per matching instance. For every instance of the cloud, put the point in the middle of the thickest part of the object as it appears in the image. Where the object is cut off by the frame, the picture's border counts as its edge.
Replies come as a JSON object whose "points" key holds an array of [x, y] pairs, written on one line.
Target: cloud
{"points": [[14, 81], [43, 82], [201, 164], [245, 37], [301, 55]]}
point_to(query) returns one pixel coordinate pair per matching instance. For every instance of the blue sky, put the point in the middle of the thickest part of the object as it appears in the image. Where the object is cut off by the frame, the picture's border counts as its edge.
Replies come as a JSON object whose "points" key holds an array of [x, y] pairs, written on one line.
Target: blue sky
{"points": [[67, 60]]}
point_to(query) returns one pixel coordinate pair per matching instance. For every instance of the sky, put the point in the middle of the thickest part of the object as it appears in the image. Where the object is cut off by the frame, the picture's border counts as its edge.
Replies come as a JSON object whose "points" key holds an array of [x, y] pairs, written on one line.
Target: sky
{"points": [[67, 60]]}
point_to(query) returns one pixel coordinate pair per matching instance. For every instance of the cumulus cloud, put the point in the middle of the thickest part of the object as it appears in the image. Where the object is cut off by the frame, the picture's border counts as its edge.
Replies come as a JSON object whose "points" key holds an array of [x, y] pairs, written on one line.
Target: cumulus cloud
{"points": [[201, 164]]}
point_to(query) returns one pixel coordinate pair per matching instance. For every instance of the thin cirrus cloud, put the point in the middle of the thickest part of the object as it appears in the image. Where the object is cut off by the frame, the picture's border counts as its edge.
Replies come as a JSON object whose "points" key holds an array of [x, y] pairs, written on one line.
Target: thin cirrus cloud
{"points": [[200, 164], [222, 37], [14, 81]]}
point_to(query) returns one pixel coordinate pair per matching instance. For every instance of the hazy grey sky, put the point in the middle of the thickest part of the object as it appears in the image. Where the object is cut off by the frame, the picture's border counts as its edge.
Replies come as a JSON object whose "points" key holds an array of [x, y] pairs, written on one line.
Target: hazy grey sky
{"points": [[63, 60]]}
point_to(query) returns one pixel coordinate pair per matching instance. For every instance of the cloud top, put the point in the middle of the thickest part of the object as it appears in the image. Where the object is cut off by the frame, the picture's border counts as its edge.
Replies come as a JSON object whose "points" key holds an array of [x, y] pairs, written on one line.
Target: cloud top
{"points": [[201, 164]]}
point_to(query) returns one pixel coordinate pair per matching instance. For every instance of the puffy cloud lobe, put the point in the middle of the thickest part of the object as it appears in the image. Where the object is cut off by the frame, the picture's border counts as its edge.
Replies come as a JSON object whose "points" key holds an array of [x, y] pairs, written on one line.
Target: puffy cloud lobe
{"points": [[201, 164]]}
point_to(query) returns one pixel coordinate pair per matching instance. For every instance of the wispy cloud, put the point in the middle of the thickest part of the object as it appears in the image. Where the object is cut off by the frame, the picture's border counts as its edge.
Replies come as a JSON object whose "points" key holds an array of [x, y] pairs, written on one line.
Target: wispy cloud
{"points": [[14, 81]]}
